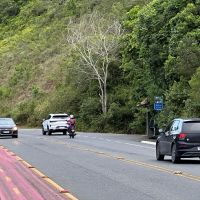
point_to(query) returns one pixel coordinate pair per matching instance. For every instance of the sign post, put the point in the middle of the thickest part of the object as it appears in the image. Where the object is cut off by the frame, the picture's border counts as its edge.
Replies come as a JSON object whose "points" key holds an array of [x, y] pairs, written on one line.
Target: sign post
{"points": [[158, 106]]}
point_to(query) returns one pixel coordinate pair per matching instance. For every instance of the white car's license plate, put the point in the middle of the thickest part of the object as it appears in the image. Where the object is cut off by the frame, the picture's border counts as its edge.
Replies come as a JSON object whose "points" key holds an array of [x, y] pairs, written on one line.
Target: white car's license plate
{"points": [[198, 148], [61, 127]]}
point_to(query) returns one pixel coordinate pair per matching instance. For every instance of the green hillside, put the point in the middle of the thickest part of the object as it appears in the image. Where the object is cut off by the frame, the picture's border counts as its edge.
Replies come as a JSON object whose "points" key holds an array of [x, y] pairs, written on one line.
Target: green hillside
{"points": [[98, 59]]}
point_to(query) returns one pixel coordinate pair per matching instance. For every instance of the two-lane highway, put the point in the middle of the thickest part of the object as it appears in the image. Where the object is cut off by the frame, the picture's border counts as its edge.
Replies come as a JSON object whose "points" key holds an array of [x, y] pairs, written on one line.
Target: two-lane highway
{"points": [[107, 166]]}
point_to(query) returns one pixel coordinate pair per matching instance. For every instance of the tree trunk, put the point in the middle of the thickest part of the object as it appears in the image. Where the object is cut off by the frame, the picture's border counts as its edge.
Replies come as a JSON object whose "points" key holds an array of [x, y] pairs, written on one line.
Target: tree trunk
{"points": [[105, 96]]}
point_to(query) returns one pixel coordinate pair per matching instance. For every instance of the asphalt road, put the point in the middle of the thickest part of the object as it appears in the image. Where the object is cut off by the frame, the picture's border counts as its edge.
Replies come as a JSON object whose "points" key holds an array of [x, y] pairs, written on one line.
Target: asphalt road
{"points": [[107, 166]]}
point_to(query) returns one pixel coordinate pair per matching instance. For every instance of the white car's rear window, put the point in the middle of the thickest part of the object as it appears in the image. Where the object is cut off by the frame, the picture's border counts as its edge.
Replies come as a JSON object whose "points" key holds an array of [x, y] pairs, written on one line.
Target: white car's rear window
{"points": [[60, 116]]}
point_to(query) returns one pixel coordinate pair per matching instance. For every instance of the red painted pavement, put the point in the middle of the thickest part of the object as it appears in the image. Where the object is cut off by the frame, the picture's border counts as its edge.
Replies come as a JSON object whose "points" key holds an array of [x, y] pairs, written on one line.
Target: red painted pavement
{"points": [[18, 182]]}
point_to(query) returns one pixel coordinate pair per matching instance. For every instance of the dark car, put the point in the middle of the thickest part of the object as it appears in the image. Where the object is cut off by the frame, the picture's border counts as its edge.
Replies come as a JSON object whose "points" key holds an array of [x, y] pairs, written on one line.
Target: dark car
{"points": [[180, 139], [8, 127]]}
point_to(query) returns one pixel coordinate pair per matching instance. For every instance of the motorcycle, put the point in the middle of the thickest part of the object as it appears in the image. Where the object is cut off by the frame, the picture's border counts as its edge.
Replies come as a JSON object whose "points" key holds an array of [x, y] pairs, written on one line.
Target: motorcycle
{"points": [[71, 131]]}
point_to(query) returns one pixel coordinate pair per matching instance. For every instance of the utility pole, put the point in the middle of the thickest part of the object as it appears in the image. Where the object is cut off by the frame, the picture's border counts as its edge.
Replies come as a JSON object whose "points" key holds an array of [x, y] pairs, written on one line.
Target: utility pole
{"points": [[146, 103], [147, 123]]}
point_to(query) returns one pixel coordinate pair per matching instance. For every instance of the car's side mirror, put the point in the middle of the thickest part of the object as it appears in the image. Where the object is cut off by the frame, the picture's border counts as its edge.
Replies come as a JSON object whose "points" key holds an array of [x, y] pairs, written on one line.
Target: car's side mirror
{"points": [[167, 133], [43, 119], [161, 130]]}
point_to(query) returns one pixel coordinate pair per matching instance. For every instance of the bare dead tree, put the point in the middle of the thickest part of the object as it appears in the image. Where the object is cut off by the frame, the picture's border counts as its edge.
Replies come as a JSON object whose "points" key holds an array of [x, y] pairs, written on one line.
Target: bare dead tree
{"points": [[96, 41]]}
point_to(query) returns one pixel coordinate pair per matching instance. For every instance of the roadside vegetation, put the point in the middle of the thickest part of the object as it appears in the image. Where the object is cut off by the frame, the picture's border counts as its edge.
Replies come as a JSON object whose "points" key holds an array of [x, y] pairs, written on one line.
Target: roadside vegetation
{"points": [[99, 60]]}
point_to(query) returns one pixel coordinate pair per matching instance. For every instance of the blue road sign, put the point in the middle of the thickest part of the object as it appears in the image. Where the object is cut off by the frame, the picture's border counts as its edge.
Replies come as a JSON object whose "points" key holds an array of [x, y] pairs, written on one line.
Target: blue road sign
{"points": [[158, 105]]}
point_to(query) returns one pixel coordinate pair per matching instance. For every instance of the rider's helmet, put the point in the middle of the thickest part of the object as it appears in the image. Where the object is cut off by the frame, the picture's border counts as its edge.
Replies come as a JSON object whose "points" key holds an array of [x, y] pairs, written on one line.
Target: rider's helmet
{"points": [[71, 116]]}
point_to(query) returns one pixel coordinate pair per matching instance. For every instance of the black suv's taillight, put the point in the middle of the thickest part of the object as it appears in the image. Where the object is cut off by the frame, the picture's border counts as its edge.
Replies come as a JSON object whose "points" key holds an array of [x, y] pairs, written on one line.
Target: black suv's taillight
{"points": [[182, 136]]}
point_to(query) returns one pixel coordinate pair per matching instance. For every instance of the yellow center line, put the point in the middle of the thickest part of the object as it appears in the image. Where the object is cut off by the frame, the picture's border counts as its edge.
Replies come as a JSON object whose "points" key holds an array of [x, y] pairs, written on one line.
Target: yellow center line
{"points": [[188, 176], [135, 162], [138, 163]]}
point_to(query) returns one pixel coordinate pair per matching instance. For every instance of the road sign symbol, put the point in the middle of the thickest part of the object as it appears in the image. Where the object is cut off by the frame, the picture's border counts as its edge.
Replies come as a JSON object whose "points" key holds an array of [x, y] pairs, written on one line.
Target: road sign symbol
{"points": [[158, 106]]}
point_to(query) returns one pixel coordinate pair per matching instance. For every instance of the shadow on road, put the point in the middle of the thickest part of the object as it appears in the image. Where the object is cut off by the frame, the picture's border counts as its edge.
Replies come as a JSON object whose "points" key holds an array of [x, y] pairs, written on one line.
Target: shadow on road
{"points": [[55, 134], [184, 161], [7, 138]]}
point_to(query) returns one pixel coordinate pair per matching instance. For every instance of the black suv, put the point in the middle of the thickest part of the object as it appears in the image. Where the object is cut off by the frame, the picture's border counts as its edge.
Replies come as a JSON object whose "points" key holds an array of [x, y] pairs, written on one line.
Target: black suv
{"points": [[180, 139]]}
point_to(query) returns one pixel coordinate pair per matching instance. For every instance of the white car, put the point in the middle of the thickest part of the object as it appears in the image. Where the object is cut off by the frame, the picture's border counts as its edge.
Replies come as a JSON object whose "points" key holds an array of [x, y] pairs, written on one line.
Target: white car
{"points": [[55, 123]]}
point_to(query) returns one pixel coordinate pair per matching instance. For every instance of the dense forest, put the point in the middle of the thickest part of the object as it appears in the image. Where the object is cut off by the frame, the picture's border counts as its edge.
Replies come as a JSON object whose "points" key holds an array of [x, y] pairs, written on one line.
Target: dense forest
{"points": [[100, 60]]}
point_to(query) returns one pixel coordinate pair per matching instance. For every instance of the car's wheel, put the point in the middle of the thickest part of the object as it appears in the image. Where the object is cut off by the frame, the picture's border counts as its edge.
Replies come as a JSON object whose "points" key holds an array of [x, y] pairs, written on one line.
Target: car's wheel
{"points": [[158, 155], [15, 136], [43, 131], [175, 158], [49, 131]]}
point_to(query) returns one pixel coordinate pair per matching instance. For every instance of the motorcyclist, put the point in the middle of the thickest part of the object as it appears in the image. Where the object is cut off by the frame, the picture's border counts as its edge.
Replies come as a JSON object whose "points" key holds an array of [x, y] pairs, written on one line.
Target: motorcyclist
{"points": [[71, 121]]}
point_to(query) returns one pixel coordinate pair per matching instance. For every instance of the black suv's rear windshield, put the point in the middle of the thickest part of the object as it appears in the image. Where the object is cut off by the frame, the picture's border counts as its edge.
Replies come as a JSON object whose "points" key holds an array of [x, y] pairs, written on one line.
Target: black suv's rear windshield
{"points": [[191, 126]]}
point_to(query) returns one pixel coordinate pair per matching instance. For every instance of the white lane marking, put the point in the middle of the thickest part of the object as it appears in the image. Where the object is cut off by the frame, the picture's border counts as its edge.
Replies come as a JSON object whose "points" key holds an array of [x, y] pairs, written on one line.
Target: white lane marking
{"points": [[118, 142], [137, 145], [129, 143], [148, 142], [16, 142]]}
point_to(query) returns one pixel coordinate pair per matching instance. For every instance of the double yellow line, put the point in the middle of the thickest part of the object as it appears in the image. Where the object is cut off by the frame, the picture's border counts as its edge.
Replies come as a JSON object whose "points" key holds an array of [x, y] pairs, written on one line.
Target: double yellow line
{"points": [[139, 163]]}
